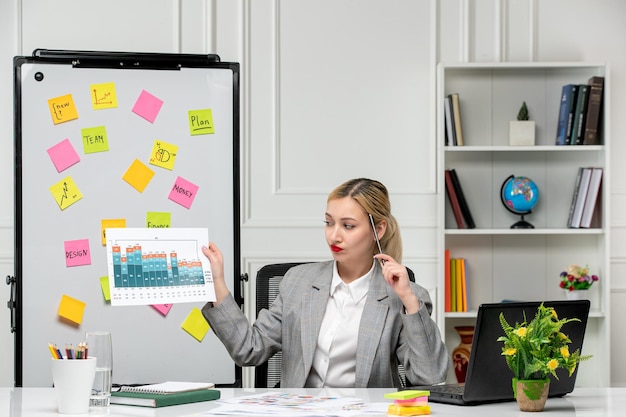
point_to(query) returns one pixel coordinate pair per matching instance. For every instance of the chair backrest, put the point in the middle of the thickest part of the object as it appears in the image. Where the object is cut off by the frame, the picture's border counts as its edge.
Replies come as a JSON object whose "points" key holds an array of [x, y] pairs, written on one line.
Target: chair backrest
{"points": [[268, 280]]}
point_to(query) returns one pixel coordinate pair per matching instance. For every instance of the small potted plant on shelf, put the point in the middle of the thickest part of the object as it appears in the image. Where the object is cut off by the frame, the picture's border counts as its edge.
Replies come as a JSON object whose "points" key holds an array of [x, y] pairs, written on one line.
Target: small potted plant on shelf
{"points": [[535, 350], [522, 130], [576, 281]]}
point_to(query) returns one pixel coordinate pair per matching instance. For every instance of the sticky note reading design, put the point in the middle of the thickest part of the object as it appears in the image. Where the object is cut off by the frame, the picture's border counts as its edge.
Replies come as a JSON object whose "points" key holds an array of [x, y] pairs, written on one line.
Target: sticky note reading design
{"points": [[201, 122], [162, 308], [183, 192], [95, 139], [147, 106], [108, 223], [104, 285], [71, 309], [77, 252], [138, 175], [63, 155], [195, 324], [103, 96], [62, 109], [158, 219], [163, 154], [65, 192]]}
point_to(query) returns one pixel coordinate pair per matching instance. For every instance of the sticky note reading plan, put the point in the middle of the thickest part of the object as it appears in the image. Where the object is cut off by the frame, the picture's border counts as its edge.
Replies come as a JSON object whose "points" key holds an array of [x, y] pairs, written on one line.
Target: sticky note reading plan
{"points": [[77, 252], [183, 192], [147, 106], [63, 155], [201, 122], [62, 109], [71, 309], [195, 324]]}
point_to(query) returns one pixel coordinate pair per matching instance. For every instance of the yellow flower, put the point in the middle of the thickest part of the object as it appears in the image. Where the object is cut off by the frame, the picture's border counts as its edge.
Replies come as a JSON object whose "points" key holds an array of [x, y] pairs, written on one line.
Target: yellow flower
{"points": [[565, 352], [521, 332], [553, 364], [554, 315], [510, 352]]}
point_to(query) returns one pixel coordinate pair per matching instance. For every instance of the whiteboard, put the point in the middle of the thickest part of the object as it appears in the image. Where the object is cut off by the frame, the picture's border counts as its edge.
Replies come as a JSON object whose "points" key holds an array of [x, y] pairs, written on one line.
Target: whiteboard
{"points": [[148, 346]]}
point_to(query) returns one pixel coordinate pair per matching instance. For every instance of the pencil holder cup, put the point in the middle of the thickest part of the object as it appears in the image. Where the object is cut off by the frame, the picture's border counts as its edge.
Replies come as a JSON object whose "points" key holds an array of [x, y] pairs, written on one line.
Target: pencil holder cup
{"points": [[73, 379]]}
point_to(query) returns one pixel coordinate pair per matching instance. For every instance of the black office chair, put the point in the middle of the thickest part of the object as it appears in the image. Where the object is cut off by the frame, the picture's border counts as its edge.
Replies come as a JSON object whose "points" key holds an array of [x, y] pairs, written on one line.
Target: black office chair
{"points": [[268, 280]]}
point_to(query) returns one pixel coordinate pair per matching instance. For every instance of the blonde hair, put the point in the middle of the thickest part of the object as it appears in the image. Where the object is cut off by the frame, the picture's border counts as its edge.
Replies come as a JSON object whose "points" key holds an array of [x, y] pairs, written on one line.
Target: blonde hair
{"points": [[373, 198]]}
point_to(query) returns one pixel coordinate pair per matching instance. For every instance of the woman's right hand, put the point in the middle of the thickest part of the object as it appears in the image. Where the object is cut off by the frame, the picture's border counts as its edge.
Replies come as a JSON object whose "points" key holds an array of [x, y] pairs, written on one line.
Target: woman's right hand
{"points": [[216, 259]]}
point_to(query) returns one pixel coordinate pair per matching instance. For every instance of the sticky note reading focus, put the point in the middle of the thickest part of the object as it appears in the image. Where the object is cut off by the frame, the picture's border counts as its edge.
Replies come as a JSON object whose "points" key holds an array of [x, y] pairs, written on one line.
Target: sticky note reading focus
{"points": [[65, 192], [62, 109], [183, 192], [201, 122], [103, 96], [109, 223], [77, 252], [195, 324], [106, 290], [147, 106], [71, 309], [63, 155], [138, 175], [158, 219], [163, 154], [95, 139]]}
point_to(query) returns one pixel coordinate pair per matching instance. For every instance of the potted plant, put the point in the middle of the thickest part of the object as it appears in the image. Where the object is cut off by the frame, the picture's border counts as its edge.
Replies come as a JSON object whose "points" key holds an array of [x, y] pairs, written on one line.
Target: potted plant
{"points": [[575, 280], [535, 350], [522, 130]]}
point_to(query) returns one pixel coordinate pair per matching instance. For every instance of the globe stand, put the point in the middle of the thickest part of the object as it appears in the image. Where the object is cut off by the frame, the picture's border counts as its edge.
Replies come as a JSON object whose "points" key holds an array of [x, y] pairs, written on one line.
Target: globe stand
{"points": [[522, 224]]}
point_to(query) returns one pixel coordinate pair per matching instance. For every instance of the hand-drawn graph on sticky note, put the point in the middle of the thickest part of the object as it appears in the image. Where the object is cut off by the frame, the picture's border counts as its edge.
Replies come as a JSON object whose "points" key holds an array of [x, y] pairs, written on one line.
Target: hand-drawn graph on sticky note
{"points": [[158, 266], [65, 192], [103, 96], [163, 154]]}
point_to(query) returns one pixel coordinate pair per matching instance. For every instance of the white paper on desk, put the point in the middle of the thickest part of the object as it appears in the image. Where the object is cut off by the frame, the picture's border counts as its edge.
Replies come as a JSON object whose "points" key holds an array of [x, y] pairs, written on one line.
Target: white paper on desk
{"points": [[289, 404]]}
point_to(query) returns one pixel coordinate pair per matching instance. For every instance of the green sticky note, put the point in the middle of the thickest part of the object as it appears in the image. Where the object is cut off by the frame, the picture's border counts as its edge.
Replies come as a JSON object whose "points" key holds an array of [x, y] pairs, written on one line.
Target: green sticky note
{"points": [[106, 290], [95, 139], [407, 394], [158, 219], [201, 122]]}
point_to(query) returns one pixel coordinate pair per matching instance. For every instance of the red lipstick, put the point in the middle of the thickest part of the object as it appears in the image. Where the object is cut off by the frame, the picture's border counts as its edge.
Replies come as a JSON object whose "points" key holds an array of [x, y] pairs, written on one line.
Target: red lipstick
{"points": [[335, 248]]}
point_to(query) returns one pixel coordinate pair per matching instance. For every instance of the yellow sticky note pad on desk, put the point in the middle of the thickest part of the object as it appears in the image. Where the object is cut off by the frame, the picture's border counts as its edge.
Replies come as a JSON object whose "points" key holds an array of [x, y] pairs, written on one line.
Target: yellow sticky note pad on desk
{"points": [[71, 309], [407, 394], [196, 325], [412, 410]]}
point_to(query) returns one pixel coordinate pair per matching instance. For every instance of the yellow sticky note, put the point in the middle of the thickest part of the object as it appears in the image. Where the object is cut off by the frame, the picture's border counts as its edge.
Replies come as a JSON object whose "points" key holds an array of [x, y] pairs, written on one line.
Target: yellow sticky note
{"points": [[106, 290], [65, 192], [138, 175], [62, 109], [71, 309], [412, 410], [163, 154], [407, 394], [95, 139], [108, 224], [103, 96], [195, 324], [158, 219], [201, 122]]}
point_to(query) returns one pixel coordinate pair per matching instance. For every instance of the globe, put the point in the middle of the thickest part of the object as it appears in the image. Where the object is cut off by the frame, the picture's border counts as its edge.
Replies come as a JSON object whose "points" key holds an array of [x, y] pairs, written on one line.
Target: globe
{"points": [[519, 195]]}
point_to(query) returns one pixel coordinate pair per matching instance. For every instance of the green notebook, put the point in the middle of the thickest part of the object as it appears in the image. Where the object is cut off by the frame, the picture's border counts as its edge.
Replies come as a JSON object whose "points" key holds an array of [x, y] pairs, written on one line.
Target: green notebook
{"points": [[162, 400]]}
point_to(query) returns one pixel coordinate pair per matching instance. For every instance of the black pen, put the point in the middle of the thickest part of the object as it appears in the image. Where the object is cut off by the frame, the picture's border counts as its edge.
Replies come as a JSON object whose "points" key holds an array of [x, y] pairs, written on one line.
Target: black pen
{"points": [[380, 250]]}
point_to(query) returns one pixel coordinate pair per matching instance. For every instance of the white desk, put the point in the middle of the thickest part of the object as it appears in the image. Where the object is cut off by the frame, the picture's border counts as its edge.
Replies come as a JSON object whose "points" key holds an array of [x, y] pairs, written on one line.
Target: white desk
{"points": [[588, 402]]}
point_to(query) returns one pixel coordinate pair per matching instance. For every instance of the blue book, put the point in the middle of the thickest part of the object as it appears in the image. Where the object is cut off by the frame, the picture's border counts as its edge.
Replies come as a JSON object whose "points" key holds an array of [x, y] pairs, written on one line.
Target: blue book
{"points": [[566, 114]]}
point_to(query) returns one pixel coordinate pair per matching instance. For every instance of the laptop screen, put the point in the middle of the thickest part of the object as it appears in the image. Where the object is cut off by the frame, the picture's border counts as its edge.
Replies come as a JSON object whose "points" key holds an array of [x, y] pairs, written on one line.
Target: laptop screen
{"points": [[488, 376]]}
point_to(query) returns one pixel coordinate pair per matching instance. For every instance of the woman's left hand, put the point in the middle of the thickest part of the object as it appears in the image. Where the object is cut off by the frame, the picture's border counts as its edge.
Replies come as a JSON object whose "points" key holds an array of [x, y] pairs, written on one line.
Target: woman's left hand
{"points": [[397, 277]]}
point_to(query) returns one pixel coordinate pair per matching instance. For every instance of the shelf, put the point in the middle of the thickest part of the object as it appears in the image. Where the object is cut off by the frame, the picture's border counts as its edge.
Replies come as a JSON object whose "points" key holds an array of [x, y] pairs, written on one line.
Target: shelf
{"points": [[536, 148], [473, 314], [513, 232]]}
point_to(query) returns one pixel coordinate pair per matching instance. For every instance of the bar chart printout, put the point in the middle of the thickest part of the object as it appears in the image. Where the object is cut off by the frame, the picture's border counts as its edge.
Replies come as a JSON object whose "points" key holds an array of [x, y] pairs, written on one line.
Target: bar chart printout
{"points": [[158, 266]]}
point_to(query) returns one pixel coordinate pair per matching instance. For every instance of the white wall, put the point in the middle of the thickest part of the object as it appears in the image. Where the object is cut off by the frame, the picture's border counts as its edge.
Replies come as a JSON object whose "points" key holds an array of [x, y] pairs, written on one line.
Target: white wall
{"points": [[331, 89]]}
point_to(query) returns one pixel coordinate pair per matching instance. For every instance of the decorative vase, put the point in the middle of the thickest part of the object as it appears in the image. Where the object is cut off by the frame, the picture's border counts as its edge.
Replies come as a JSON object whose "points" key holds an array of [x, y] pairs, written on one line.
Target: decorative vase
{"points": [[531, 395], [461, 353], [577, 295]]}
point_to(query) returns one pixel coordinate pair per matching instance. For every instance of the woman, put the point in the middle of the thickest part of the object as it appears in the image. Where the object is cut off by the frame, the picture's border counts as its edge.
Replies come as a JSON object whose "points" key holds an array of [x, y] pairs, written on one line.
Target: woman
{"points": [[346, 322]]}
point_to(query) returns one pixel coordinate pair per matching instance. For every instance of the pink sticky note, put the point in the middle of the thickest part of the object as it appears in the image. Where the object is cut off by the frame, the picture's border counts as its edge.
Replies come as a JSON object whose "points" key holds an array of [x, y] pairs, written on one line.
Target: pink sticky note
{"points": [[147, 106], [63, 155], [183, 192], [162, 308], [77, 252]]}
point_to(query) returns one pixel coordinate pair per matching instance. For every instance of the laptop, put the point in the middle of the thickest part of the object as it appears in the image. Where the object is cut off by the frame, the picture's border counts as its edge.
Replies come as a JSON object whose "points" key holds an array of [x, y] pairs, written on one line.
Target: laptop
{"points": [[488, 377]]}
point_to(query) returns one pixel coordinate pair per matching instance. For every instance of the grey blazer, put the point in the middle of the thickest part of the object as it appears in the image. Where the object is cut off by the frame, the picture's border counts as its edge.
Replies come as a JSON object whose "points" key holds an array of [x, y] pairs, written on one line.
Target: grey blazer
{"points": [[387, 336]]}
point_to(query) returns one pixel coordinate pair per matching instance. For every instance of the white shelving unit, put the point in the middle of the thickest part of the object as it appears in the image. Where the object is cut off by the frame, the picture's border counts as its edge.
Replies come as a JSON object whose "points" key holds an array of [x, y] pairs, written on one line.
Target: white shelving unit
{"points": [[522, 264]]}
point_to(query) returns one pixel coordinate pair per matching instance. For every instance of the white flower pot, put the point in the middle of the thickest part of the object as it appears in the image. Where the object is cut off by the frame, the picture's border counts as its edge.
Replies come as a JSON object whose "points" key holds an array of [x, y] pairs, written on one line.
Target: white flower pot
{"points": [[522, 132], [577, 295]]}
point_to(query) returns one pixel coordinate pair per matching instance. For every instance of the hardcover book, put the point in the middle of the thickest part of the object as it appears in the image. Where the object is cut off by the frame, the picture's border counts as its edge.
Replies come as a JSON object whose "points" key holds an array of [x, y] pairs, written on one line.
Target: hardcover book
{"points": [[578, 131], [163, 400], [454, 201], [594, 110], [566, 114], [467, 215]]}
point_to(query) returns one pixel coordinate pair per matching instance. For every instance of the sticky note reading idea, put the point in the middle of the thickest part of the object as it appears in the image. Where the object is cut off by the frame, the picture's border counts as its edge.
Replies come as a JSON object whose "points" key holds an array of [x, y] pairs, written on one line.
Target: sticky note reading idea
{"points": [[201, 122], [71, 309], [77, 252], [62, 109], [147, 106], [183, 192]]}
